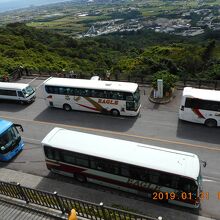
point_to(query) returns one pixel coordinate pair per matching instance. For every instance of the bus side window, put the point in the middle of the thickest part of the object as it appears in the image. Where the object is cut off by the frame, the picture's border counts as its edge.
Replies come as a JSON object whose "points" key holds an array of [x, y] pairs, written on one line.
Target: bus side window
{"points": [[211, 105], [105, 165], [48, 152], [189, 103], [68, 157], [174, 181], [87, 92], [113, 167], [49, 89], [8, 92], [56, 155], [100, 165], [70, 91], [114, 95], [165, 179], [187, 185], [134, 172], [56, 90], [129, 97], [92, 162], [125, 170], [93, 93], [62, 90], [154, 177], [109, 94], [82, 160], [77, 92], [102, 94]]}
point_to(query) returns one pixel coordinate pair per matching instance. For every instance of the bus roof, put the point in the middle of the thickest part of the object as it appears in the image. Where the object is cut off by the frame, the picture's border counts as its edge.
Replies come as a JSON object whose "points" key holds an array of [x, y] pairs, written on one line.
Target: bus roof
{"points": [[92, 84], [6, 85], [205, 94], [4, 125], [167, 160]]}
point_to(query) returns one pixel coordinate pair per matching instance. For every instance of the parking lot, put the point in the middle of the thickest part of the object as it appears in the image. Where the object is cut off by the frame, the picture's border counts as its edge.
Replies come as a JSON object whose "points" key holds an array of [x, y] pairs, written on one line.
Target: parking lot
{"points": [[157, 125]]}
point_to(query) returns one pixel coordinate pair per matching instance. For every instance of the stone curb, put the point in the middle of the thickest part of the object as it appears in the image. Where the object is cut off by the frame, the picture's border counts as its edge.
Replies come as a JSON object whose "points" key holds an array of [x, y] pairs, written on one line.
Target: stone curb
{"points": [[160, 101]]}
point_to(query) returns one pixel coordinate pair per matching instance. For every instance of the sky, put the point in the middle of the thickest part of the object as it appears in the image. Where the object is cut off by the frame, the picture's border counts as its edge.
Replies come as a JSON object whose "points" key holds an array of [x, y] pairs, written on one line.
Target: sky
{"points": [[6, 5]]}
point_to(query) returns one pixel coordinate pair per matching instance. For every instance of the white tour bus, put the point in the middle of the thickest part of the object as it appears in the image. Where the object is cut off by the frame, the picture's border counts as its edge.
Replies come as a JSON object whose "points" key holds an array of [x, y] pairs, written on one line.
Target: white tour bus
{"points": [[200, 106], [149, 171], [21, 92], [117, 98]]}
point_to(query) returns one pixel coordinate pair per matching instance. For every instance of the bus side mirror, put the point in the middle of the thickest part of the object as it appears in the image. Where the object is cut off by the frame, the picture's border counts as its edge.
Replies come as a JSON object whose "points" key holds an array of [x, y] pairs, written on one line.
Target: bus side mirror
{"points": [[20, 127], [204, 163]]}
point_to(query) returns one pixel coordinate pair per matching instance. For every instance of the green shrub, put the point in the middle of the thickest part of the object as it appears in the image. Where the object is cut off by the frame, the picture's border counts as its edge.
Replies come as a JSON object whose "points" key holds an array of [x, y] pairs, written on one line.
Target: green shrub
{"points": [[169, 80]]}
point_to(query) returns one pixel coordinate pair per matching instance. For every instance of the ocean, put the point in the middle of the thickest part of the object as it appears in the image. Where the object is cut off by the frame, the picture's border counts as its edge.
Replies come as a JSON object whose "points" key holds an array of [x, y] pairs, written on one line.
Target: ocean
{"points": [[8, 5]]}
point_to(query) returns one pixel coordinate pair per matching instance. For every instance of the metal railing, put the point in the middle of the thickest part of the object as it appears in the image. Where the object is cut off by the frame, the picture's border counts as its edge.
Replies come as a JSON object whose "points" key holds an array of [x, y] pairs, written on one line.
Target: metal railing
{"points": [[206, 84], [65, 204]]}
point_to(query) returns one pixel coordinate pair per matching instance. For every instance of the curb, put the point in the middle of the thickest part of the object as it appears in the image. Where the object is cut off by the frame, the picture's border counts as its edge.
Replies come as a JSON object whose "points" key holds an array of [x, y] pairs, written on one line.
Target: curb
{"points": [[161, 101]]}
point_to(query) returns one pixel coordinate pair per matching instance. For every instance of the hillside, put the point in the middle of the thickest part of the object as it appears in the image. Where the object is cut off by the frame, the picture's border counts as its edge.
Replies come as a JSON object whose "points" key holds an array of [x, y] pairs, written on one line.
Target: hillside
{"points": [[137, 54]]}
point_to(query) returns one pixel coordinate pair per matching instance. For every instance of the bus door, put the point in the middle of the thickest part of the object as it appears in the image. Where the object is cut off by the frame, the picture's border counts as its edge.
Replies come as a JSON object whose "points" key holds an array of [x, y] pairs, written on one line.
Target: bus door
{"points": [[130, 105], [20, 95], [190, 111]]}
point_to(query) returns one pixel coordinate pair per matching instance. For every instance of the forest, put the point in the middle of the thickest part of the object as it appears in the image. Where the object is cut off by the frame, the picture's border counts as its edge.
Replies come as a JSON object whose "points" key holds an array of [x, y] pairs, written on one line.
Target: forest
{"points": [[136, 54]]}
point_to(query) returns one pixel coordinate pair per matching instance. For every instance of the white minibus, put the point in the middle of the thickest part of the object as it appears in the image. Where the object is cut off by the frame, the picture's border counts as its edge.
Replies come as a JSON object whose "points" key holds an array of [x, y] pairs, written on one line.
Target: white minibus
{"points": [[21, 92], [200, 106]]}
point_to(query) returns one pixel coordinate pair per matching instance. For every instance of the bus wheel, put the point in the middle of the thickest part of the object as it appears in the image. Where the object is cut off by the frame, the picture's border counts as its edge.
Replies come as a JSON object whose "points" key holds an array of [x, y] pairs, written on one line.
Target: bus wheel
{"points": [[115, 112], [81, 178], [211, 123], [67, 107]]}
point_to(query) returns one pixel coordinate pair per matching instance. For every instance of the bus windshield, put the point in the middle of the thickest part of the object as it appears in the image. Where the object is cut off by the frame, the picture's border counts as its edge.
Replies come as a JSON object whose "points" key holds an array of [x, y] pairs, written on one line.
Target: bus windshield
{"points": [[137, 98], [28, 91], [188, 185], [8, 138]]}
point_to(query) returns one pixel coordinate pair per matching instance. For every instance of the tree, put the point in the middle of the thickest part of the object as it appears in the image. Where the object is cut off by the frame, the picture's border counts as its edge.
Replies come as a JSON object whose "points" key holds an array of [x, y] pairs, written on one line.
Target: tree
{"points": [[208, 51], [169, 80]]}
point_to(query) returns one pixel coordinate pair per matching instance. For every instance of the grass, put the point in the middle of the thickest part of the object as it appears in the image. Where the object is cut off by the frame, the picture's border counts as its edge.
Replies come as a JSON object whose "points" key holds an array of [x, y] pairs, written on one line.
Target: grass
{"points": [[71, 21]]}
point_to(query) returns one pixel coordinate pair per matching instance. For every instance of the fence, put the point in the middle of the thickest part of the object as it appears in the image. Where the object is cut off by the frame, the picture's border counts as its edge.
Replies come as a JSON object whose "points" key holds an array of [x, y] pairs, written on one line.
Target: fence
{"points": [[64, 204], [206, 84]]}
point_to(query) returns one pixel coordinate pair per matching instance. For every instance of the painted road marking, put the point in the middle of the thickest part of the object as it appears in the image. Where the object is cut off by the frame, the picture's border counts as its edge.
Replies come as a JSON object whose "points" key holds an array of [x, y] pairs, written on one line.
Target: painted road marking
{"points": [[32, 80], [39, 86], [114, 117], [210, 178], [31, 139], [115, 133]]}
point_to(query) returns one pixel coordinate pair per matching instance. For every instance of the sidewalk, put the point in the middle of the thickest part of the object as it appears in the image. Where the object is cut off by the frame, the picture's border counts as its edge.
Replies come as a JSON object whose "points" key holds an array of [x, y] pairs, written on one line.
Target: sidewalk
{"points": [[71, 190], [11, 210]]}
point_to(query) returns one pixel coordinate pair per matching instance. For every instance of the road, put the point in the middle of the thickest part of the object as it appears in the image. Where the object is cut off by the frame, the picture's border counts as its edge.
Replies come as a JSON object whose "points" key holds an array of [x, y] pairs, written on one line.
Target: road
{"points": [[156, 125]]}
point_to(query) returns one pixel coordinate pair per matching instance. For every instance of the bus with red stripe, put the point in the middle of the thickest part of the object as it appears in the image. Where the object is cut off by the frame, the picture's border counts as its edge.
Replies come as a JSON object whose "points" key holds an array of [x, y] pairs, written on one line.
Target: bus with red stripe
{"points": [[200, 106], [116, 98], [149, 171]]}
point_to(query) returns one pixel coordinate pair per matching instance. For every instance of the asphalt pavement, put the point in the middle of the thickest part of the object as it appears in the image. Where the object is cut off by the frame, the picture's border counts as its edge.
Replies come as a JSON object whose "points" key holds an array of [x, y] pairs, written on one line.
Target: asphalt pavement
{"points": [[156, 125], [62, 188]]}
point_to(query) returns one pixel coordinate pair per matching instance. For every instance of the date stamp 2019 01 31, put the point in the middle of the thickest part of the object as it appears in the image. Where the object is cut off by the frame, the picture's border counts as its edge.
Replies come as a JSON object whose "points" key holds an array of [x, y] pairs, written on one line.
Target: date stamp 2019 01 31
{"points": [[182, 196]]}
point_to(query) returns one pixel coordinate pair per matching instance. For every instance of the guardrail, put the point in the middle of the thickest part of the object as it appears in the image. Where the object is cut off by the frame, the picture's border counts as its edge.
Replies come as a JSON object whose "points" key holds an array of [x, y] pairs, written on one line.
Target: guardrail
{"points": [[206, 84], [65, 204]]}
